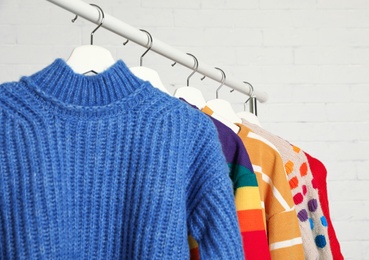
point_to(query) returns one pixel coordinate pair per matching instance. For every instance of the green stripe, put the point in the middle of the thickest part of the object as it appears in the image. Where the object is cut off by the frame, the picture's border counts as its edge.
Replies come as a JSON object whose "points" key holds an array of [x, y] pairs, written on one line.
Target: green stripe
{"points": [[241, 176]]}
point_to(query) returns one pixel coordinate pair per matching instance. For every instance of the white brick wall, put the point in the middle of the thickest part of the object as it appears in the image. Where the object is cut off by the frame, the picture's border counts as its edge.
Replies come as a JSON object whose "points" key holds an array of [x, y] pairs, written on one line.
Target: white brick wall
{"points": [[311, 56]]}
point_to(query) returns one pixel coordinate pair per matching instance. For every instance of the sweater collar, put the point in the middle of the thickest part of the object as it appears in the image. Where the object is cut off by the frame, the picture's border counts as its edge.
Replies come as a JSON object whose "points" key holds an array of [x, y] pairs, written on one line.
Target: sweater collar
{"points": [[59, 82]]}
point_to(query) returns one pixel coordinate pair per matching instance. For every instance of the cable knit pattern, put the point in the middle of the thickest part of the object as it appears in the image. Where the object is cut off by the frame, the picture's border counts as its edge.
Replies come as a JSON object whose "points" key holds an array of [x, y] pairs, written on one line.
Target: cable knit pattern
{"points": [[108, 167]]}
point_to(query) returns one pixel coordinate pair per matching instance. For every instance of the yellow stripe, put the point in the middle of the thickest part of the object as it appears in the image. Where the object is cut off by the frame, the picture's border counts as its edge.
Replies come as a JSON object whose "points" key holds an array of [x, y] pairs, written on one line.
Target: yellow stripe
{"points": [[247, 198]]}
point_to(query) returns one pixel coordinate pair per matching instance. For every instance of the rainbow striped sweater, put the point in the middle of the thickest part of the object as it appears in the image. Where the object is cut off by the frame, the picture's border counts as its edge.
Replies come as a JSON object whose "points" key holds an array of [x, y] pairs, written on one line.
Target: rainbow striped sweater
{"points": [[282, 226], [247, 195]]}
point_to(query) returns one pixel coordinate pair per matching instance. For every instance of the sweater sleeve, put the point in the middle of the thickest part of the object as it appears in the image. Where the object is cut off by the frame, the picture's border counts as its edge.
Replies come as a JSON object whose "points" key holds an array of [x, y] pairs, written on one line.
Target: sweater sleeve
{"points": [[212, 219], [214, 224]]}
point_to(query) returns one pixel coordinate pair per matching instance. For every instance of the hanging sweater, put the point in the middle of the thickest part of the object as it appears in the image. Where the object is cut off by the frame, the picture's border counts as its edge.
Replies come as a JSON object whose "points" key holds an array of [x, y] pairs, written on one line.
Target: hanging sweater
{"points": [[282, 227], [247, 196], [108, 167], [319, 182], [312, 221]]}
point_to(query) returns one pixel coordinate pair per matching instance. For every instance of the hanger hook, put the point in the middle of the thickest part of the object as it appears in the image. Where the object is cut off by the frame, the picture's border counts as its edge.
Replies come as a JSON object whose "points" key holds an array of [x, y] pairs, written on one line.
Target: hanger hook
{"points": [[251, 94], [101, 23], [223, 80], [195, 67], [150, 42]]}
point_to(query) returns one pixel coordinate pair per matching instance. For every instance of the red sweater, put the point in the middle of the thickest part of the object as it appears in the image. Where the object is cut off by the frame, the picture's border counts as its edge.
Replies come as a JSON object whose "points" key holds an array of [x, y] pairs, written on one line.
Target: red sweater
{"points": [[320, 175]]}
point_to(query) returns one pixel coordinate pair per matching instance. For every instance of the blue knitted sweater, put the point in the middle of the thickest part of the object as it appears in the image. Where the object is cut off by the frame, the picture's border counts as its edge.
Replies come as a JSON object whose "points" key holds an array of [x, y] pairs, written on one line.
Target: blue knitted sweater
{"points": [[108, 167]]}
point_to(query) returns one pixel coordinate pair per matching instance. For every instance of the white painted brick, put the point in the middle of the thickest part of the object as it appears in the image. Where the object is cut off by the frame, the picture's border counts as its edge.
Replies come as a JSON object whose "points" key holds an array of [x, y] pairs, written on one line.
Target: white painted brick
{"points": [[235, 4], [348, 150], [211, 37], [333, 36], [26, 70], [7, 73], [278, 93], [8, 34], [341, 74], [331, 4], [53, 35], [358, 37], [301, 74], [263, 19], [348, 112], [26, 54], [351, 250], [363, 169], [27, 4], [297, 112], [287, 4], [365, 249], [362, 132], [297, 18], [252, 74], [359, 93], [342, 170], [260, 55], [124, 4], [358, 18], [29, 15], [326, 55], [233, 37], [168, 4], [331, 152], [343, 4], [204, 18], [290, 36], [319, 18], [321, 93], [214, 55], [346, 191], [9, 3], [359, 208], [312, 131], [357, 230], [356, 4], [142, 17], [360, 56], [9, 15]]}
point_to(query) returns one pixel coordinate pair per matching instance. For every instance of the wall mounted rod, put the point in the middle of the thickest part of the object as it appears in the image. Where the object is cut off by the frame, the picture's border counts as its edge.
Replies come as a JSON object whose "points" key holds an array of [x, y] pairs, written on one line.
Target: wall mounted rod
{"points": [[115, 25]]}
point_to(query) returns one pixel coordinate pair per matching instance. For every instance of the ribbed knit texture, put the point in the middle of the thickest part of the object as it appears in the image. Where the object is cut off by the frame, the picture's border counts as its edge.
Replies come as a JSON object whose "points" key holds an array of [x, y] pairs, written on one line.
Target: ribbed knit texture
{"points": [[320, 182], [312, 221], [108, 167], [247, 196]]}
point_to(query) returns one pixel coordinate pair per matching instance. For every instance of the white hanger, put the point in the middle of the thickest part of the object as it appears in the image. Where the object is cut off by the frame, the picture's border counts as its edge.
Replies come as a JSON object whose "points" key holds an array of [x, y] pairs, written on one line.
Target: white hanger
{"points": [[90, 58], [248, 116], [146, 73], [224, 109], [190, 94]]}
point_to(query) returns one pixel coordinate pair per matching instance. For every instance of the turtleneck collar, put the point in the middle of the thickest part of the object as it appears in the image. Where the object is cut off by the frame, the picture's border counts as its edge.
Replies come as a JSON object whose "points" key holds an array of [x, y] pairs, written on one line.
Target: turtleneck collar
{"points": [[59, 81], [58, 87]]}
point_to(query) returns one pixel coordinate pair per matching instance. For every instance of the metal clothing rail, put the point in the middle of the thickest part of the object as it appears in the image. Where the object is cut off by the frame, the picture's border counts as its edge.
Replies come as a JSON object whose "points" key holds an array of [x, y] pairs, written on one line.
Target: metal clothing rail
{"points": [[114, 25]]}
